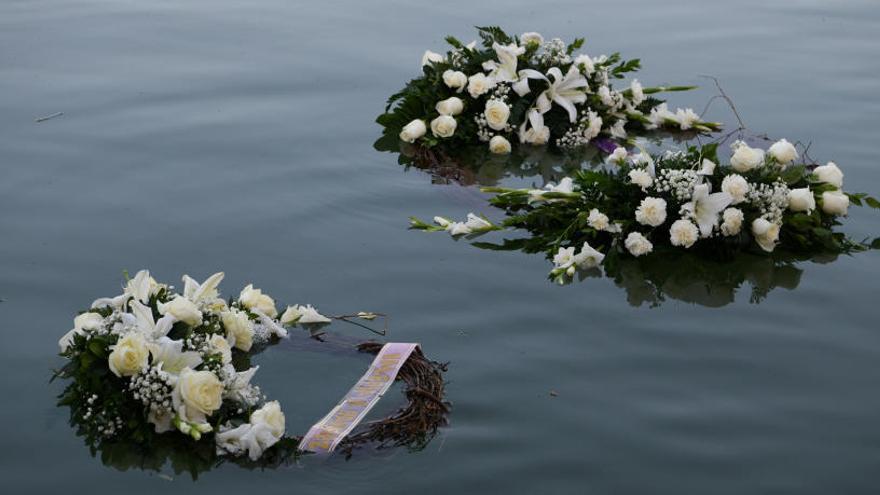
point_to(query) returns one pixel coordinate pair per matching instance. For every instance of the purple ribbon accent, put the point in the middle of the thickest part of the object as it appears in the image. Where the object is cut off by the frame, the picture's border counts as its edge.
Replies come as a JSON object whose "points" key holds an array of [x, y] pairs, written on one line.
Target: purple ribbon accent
{"points": [[607, 145]]}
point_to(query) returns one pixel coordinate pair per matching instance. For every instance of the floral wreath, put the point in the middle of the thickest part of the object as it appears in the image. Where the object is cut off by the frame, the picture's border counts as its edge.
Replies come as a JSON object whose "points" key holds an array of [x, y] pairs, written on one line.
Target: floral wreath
{"points": [[151, 363], [526, 90]]}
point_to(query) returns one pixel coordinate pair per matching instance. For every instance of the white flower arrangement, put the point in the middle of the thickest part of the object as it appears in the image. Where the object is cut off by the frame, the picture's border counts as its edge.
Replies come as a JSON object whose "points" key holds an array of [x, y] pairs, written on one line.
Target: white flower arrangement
{"points": [[153, 359], [641, 204], [530, 91]]}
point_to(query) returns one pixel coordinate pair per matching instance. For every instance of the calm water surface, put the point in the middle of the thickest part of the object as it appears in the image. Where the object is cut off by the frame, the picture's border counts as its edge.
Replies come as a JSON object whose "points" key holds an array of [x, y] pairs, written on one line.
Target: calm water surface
{"points": [[228, 135]]}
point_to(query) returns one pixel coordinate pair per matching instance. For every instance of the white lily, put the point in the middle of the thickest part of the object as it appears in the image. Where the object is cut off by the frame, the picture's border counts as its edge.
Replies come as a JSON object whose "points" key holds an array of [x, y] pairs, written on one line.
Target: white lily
{"points": [[170, 354], [83, 322], [538, 133], [705, 208], [504, 70], [588, 257], [204, 292], [238, 385], [117, 303], [566, 185], [147, 325], [140, 286], [565, 91], [476, 223]]}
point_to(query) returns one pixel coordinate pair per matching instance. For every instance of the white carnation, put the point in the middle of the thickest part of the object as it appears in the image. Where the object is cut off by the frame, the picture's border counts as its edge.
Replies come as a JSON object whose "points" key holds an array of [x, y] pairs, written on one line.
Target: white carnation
{"points": [[598, 220], [732, 220], [637, 244], [683, 233], [651, 211], [640, 178], [736, 186]]}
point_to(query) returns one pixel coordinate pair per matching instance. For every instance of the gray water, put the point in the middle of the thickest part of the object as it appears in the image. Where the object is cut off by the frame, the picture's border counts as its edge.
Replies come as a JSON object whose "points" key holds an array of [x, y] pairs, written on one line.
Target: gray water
{"points": [[200, 136]]}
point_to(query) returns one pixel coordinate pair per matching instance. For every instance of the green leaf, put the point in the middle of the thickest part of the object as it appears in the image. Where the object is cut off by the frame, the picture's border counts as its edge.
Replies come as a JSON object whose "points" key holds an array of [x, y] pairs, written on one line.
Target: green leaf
{"points": [[98, 348], [452, 40]]}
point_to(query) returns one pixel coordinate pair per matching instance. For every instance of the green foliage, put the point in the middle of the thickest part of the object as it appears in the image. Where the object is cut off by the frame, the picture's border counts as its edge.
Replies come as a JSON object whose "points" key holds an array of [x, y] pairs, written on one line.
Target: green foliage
{"points": [[561, 219], [493, 34]]}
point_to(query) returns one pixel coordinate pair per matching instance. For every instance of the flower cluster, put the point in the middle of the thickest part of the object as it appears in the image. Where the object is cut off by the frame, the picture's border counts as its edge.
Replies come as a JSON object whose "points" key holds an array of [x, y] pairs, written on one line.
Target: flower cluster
{"points": [[153, 361], [523, 89], [680, 200]]}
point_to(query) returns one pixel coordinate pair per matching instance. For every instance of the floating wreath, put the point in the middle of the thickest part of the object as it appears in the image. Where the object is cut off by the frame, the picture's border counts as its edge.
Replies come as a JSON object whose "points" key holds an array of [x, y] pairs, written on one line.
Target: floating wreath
{"points": [[680, 200], [528, 90], [153, 368]]}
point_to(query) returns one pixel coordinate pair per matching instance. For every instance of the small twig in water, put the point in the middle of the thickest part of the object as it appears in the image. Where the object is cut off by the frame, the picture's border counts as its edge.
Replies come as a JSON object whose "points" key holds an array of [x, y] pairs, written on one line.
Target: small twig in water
{"points": [[47, 117], [366, 316]]}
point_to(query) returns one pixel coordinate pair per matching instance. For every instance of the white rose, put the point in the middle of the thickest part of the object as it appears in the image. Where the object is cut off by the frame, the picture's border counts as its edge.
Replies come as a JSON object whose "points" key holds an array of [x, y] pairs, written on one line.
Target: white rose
{"points": [[746, 158], [271, 416], [640, 178], [430, 57], [201, 392], [829, 174], [766, 233], [783, 151], [129, 355], [637, 244], [683, 233], [598, 220], [413, 131], [651, 211], [455, 79], [254, 299], [450, 106], [531, 38], [443, 126], [585, 64], [220, 345], [479, 84], [534, 136], [499, 145], [239, 329], [183, 309], [732, 221], [497, 112], [801, 200], [736, 186], [835, 202]]}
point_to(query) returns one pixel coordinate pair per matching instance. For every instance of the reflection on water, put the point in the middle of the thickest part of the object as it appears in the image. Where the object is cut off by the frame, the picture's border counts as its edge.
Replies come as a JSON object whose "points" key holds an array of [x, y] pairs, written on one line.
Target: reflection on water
{"points": [[690, 278], [476, 165]]}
